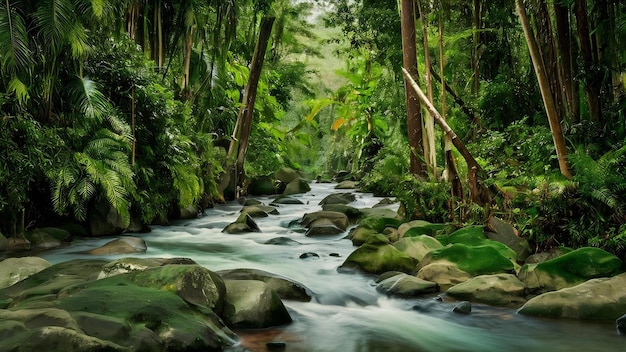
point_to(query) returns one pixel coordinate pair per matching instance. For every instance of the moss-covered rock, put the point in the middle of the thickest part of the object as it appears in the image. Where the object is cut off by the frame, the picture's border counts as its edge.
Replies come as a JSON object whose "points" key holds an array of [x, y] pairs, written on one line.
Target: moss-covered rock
{"points": [[360, 234], [603, 298], [338, 198], [378, 223], [475, 260], [286, 175], [474, 236], [322, 218], [406, 286], [351, 212], [170, 307], [347, 184], [417, 247], [297, 186], [498, 289], [243, 224], [252, 304], [419, 227], [261, 185], [379, 258], [570, 269]]}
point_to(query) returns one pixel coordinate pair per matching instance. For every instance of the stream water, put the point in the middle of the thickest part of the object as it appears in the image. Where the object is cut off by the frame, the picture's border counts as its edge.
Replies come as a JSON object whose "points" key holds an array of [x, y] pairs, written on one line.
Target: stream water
{"points": [[347, 314]]}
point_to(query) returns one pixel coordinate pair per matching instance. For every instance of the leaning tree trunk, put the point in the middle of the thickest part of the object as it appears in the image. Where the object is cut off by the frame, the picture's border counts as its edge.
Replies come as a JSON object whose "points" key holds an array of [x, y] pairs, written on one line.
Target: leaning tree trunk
{"points": [[414, 115], [239, 142], [479, 193], [546, 94]]}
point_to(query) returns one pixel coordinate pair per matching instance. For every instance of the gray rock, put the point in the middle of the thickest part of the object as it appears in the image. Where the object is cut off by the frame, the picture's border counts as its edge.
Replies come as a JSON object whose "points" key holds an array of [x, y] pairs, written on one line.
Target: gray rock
{"points": [[498, 289], [406, 286], [338, 198], [243, 224], [286, 175], [347, 184], [463, 308], [601, 299], [417, 247], [446, 274], [323, 230], [252, 304], [309, 255], [620, 324], [13, 270], [282, 241], [283, 199], [259, 211], [122, 245], [505, 233], [322, 218], [285, 288], [297, 186]]}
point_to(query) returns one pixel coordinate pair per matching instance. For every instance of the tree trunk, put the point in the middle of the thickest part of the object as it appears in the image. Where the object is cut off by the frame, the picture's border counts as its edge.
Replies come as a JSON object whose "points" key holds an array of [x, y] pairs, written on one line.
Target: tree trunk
{"points": [[239, 142], [413, 110], [467, 110], [453, 174], [187, 49], [478, 192], [544, 86], [430, 154], [567, 65], [592, 81]]}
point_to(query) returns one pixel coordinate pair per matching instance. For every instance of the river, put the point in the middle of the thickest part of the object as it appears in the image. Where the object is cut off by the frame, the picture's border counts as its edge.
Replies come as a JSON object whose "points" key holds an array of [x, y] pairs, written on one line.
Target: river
{"points": [[347, 314]]}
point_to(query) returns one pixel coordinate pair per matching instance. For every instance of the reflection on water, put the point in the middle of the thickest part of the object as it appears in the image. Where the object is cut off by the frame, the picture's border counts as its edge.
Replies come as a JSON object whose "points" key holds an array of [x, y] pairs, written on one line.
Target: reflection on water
{"points": [[347, 313]]}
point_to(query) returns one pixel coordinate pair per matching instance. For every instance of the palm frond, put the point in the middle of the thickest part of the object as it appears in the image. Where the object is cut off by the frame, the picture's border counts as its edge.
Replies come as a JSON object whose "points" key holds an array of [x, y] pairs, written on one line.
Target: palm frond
{"points": [[20, 90], [84, 93], [54, 20], [77, 38], [14, 39]]}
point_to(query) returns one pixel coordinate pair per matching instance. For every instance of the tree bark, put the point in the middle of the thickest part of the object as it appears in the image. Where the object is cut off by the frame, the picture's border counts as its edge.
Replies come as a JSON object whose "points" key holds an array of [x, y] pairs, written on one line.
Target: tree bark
{"points": [[544, 86], [592, 82], [413, 110], [430, 155], [567, 70], [239, 143], [467, 110]]}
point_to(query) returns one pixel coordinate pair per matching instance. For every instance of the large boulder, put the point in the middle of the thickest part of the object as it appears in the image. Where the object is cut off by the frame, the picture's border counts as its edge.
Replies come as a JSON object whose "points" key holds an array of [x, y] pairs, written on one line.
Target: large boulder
{"points": [[284, 287], [159, 309], [252, 304], [445, 274], [378, 258], [340, 220], [243, 224], [475, 260], [338, 198], [126, 265], [417, 247], [570, 269], [13, 270], [286, 175], [47, 237], [347, 184], [498, 230], [498, 289], [603, 298], [121, 245], [351, 212], [261, 185], [297, 186], [406, 286], [104, 220]]}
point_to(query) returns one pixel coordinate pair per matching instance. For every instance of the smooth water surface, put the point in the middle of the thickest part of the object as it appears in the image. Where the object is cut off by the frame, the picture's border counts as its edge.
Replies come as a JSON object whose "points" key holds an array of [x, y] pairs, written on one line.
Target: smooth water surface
{"points": [[347, 314]]}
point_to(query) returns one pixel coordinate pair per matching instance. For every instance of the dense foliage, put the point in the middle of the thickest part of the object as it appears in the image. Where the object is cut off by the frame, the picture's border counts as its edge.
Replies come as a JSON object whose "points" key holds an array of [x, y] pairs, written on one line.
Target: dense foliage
{"points": [[133, 104]]}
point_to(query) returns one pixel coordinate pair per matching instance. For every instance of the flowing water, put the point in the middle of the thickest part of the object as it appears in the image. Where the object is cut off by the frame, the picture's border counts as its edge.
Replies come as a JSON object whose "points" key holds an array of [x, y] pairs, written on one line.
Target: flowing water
{"points": [[347, 314]]}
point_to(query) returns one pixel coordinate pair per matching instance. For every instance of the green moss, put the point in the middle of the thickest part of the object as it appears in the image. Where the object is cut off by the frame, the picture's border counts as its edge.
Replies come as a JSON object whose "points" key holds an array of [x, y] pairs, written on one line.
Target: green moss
{"points": [[582, 264], [471, 235], [378, 259], [422, 227], [379, 223], [478, 260]]}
